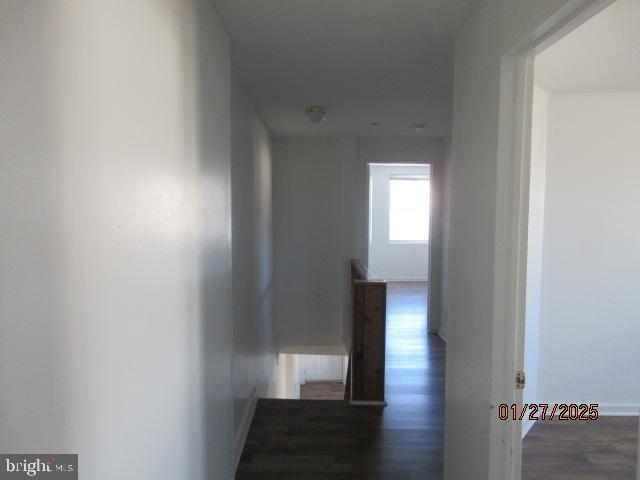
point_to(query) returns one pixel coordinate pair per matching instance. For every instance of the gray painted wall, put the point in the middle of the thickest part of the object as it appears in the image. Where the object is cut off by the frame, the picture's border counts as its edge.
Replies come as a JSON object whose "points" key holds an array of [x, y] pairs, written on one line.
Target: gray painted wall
{"points": [[253, 331], [115, 254], [479, 232], [312, 214]]}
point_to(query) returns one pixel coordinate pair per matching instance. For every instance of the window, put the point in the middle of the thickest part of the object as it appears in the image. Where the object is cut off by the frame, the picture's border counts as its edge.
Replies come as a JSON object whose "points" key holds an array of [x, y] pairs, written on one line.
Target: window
{"points": [[409, 209]]}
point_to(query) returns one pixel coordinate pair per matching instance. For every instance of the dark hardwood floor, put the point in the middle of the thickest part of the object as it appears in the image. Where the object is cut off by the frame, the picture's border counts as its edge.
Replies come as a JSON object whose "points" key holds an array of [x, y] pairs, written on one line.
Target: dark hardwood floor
{"points": [[328, 439], [605, 449], [324, 439]]}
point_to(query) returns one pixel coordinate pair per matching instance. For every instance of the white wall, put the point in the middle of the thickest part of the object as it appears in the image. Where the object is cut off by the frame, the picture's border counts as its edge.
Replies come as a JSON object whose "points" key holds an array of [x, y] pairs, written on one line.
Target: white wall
{"points": [[535, 246], [115, 301], [322, 368], [254, 343], [479, 231], [287, 378], [320, 223], [393, 260], [589, 324], [445, 212], [310, 216]]}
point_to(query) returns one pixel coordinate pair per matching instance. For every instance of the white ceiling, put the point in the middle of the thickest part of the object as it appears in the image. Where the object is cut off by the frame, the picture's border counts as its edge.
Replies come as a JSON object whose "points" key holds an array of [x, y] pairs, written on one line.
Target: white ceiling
{"points": [[386, 61], [602, 55]]}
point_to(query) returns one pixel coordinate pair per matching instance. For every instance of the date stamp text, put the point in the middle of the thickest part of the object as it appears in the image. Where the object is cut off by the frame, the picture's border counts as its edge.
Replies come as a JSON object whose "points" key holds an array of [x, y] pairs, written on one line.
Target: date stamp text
{"points": [[546, 411]]}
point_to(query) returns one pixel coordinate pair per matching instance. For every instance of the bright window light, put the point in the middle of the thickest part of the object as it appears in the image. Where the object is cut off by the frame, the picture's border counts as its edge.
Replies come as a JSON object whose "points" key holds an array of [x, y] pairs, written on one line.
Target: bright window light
{"points": [[409, 209]]}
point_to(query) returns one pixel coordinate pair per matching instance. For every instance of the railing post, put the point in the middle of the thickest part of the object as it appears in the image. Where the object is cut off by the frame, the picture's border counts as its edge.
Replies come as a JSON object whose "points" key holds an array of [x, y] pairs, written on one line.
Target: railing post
{"points": [[369, 304]]}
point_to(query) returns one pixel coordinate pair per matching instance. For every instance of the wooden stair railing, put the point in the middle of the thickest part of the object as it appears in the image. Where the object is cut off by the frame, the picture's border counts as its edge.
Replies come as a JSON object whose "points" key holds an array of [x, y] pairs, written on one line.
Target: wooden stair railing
{"points": [[366, 371]]}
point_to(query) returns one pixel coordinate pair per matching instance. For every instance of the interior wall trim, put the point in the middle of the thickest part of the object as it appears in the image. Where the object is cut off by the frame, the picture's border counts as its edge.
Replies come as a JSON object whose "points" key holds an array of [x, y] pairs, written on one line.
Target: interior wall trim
{"points": [[245, 425]]}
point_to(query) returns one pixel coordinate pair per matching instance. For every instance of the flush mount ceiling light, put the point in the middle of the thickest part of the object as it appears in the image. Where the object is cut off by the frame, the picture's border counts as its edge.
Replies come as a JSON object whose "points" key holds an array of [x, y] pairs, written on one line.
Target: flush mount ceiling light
{"points": [[419, 127], [375, 124], [315, 113]]}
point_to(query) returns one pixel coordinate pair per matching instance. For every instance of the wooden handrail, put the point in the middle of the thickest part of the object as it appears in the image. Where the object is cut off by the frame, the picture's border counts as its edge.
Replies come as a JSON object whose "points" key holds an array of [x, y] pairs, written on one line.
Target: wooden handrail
{"points": [[366, 360]]}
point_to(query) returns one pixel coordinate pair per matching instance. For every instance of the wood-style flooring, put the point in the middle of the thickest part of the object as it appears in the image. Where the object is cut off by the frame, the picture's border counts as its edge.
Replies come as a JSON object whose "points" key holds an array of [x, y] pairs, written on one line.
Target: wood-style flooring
{"points": [[322, 391], [323, 439], [605, 449]]}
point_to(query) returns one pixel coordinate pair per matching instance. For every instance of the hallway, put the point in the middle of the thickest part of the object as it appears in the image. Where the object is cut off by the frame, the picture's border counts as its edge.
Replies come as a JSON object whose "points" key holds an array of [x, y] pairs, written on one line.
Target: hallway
{"points": [[322, 439]]}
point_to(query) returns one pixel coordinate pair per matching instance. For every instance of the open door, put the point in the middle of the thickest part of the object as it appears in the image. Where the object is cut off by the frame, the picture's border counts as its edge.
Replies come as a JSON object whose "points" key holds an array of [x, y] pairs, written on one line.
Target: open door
{"points": [[523, 143]]}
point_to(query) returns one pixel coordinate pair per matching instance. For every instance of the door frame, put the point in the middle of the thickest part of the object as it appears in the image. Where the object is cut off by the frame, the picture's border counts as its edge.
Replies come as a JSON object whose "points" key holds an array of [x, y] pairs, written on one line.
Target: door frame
{"points": [[433, 323], [512, 205]]}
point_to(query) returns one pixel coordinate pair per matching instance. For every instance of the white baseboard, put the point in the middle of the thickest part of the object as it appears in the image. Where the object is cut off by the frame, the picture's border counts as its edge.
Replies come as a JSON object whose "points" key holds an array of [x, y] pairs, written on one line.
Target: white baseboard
{"points": [[526, 426], [319, 349], [245, 425], [403, 279], [619, 409]]}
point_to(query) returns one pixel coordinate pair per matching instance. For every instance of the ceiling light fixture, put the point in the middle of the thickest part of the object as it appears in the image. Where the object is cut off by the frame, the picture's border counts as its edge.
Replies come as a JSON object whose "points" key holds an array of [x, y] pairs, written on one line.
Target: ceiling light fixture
{"points": [[315, 113], [419, 127], [375, 124]]}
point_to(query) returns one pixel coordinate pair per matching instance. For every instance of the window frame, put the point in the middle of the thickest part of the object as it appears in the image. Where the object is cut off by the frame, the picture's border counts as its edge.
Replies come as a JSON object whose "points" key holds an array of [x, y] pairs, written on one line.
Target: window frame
{"points": [[410, 177]]}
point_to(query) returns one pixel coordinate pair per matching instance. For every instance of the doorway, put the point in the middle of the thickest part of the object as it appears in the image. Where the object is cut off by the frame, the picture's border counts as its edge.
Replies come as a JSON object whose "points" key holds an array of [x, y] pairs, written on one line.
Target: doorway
{"points": [[399, 222], [584, 129], [574, 260], [399, 240]]}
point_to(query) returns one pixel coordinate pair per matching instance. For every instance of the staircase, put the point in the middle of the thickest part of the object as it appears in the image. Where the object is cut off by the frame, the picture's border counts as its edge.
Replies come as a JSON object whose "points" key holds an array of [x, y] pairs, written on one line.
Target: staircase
{"points": [[334, 440]]}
